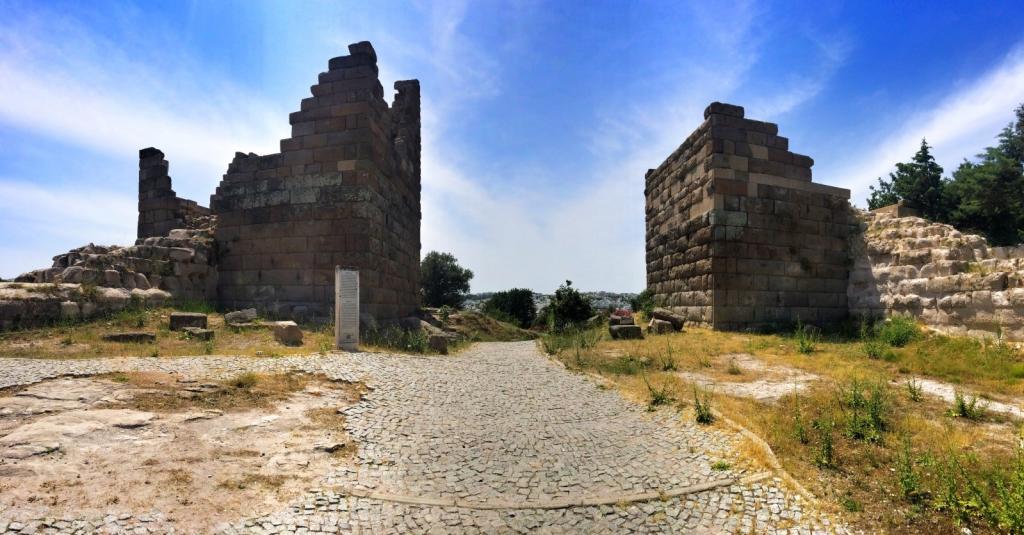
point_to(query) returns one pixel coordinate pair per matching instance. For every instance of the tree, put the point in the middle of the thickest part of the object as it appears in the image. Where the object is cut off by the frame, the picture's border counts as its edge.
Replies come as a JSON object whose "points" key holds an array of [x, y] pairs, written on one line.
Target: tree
{"points": [[988, 196], [515, 306], [443, 281], [568, 307], [919, 182]]}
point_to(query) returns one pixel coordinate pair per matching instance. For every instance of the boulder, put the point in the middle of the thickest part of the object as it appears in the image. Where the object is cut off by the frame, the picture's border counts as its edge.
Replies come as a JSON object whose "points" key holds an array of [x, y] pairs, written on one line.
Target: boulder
{"points": [[130, 337], [240, 317], [665, 314], [181, 320], [626, 332], [438, 343], [657, 326], [198, 333], [287, 333]]}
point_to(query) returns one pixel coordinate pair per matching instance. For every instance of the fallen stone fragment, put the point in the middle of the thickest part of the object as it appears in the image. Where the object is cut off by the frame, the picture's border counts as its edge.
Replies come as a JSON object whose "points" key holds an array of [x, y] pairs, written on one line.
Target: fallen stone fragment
{"points": [[180, 320], [287, 333], [438, 343], [130, 337], [626, 332], [240, 316], [657, 326], [665, 314], [330, 447], [197, 333]]}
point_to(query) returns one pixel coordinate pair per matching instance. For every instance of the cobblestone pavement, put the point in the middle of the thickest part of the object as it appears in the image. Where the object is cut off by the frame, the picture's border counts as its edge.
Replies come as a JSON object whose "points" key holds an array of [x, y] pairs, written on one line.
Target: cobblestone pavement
{"points": [[497, 439]]}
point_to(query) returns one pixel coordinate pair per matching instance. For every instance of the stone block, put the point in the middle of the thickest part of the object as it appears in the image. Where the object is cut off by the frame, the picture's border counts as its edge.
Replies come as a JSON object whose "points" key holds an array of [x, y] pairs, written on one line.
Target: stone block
{"points": [[130, 337], [626, 332], [287, 333], [198, 333], [182, 320]]}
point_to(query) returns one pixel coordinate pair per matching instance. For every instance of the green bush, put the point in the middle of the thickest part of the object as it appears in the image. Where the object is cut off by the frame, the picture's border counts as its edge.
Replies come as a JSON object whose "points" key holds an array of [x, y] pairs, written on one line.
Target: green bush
{"points": [[806, 336], [643, 302], [702, 407], [443, 281], [898, 331], [568, 308], [515, 306]]}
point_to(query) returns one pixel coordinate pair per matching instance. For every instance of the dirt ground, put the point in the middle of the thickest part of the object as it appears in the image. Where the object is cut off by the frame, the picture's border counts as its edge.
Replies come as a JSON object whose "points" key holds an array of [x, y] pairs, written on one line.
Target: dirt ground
{"points": [[201, 453]]}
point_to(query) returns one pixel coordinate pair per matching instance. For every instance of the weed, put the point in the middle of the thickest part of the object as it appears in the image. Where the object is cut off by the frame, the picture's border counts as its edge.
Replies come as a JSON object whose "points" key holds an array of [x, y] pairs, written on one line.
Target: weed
{"points": [[704, 361], [971, 409], [668, 361], [824, 454], [154, 353], [88, 291], [659, 396], [866, 413], [325, 346], [414, 341], [898, 331], [906, 476], [875, 348], [245, 380], [702, 407], [720, 466], [733, 369], [799, 429], [806, 337], [66, 341], [851, 505], [208, 347], [914, 390]]}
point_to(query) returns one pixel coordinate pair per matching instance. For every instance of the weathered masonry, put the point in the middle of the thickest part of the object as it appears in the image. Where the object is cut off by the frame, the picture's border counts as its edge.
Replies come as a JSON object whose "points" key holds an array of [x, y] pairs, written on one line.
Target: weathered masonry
{"points": [[160, 209], [344, 190], [737, 234]]}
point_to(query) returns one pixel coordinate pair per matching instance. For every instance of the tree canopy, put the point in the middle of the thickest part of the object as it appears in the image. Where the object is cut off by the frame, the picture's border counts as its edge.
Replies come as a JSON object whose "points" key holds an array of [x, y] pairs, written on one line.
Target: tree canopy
{"points": [[443, 281]]}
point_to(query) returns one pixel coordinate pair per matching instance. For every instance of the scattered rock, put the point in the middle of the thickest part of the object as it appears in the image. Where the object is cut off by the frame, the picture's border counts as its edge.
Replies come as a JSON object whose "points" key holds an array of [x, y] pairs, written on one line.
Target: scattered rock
{"points": [[240, 317], [130, 337], [197, 333], [287, 333], [438, 343], [626, 332], [330, 447], [181, 320], [657, 326], [665, 314]]}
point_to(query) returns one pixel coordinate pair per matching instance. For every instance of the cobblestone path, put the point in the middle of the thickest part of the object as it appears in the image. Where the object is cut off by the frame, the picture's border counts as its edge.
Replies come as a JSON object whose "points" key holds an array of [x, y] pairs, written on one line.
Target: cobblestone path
{"points": [[497, 439]]}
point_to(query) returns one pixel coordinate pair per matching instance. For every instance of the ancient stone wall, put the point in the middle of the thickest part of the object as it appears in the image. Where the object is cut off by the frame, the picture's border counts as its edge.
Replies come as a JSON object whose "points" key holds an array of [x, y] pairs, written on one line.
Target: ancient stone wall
{"points": [[160, 209], [737, 234], [344, 190], [948, 280]]}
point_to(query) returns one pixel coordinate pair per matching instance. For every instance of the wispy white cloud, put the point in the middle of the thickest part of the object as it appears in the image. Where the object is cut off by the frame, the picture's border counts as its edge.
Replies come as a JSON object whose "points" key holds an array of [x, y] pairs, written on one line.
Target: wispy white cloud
{"points": [[958, 126]]}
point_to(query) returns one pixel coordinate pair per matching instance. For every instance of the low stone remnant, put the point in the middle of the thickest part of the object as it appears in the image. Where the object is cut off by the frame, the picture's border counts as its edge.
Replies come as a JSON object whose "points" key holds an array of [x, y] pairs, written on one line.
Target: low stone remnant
{"points": [[626, 332], [438, 343], [617, 319], [180, 320], [198, 333], [950, 281], [130, 337], [657, 326], [287, 333], [27, 304], [240, 317], [677, 321]]}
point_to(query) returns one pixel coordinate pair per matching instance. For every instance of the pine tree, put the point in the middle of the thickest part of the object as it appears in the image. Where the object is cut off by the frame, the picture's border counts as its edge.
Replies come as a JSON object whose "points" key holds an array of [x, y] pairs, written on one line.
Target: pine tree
{"points": [[988, 196], [919, 182]]}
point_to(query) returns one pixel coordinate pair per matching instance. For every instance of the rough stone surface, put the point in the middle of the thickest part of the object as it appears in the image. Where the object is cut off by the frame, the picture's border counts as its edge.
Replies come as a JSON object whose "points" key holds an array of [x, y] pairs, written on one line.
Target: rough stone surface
{"points": [[287, 333], [240, 316], [495, 439], [951, 281], [180, 320], [130, 337], [737, 234], [657, 326], [198, 333], [626, 332], [438, 343], [26, 304], [665, 314]]}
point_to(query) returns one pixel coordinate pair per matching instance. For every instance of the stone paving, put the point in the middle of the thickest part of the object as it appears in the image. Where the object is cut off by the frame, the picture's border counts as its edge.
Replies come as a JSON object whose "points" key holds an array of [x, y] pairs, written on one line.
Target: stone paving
{"points": [[497, 439]]}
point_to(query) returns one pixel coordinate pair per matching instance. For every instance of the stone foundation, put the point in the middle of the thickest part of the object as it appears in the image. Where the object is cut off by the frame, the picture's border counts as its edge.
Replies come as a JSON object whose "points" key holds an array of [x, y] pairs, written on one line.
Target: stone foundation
{"points": [[738, 236]]}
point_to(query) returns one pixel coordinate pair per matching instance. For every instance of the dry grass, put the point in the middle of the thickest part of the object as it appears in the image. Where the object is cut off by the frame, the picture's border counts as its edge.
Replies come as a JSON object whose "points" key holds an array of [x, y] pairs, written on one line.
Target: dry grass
{"points": [[162, 393], [83, 340], [253, 480], [863, 483]]}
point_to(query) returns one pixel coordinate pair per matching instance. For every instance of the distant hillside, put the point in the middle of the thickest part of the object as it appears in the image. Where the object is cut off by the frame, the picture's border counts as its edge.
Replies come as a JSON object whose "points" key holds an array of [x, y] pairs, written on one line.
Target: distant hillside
{"points": [[600, 300]]}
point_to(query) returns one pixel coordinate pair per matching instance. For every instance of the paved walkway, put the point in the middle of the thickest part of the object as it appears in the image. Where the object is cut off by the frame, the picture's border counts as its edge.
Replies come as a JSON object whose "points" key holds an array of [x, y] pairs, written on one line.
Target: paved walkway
{"points": [[497, 439]]}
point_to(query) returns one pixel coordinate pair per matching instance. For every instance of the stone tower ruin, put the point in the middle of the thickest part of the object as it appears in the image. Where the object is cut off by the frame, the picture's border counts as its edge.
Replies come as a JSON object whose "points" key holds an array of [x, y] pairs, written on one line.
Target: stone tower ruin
{"points": [[738, 236], [344, 190]]}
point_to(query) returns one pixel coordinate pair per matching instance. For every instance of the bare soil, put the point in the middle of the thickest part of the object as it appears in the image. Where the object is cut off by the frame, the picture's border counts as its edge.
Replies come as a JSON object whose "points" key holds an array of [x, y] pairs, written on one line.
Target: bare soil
{"points": [[202, 453]]}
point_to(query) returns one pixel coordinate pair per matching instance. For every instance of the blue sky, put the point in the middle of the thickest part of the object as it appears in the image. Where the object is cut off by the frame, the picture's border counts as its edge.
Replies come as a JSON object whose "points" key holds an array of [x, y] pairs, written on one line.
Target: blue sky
{"points": [[540, 118]]}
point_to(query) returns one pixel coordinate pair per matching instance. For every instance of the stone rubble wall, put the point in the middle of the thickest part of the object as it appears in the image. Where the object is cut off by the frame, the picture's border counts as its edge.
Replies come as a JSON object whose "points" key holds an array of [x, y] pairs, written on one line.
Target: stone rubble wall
{"points": [[29, 304], [951, 281], [160, 209], [737, 234], [344, 190]]}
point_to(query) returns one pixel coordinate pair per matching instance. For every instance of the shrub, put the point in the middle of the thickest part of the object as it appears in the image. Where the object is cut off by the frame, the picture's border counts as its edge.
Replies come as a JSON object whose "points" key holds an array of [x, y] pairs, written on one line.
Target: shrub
{"points": [[898, 331], [516, 305], [875, 348], [806, 336], [914, 390], [702, 407], [244, 380], [443, 281], [866, 413], [643, 302], [568, 308], [971, 408]]}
